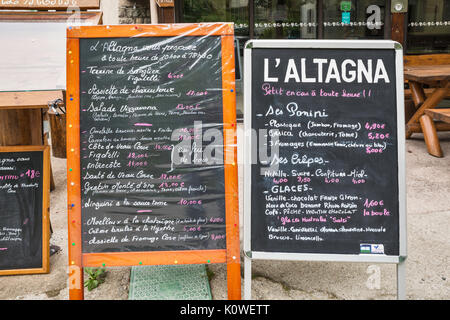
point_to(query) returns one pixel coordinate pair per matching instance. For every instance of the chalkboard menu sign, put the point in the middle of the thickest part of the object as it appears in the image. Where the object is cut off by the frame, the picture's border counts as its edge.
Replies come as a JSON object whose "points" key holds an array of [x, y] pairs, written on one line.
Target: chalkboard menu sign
{"points": [[325, 173], [24, 216], [152, 176]]}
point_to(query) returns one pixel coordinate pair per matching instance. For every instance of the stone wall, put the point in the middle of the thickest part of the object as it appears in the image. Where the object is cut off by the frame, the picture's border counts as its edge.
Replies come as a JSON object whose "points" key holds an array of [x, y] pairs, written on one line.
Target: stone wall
{"points": [[134, 11]]}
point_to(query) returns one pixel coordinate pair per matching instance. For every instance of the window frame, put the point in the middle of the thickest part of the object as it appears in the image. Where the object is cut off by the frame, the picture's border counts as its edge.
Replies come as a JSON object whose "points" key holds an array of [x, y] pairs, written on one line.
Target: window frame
{"points": [[179, 18]]}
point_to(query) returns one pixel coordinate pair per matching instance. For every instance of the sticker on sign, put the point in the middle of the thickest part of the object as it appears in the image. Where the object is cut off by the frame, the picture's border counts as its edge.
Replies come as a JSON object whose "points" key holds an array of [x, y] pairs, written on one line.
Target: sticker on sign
{"points": [[371, 248]]}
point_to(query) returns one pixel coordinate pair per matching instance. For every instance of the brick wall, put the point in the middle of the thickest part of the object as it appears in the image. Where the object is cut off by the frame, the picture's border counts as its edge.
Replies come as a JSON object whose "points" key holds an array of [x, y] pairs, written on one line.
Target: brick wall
{"points": [[134, 11]]}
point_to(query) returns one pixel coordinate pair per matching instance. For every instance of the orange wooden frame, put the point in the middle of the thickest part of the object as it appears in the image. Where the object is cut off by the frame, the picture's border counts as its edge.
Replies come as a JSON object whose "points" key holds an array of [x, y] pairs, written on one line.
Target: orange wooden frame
{"points": [[230, 255], [45, 210]]}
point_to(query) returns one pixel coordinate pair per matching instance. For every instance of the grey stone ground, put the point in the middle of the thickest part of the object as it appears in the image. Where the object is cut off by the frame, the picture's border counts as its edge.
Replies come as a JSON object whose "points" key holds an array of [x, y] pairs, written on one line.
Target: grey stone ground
{"points": [[428, 263]]}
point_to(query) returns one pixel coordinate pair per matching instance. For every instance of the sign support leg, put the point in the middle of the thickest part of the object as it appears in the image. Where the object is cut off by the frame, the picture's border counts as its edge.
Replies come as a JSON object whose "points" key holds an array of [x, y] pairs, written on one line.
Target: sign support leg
{"points": [[76, 283], [234, 281], [247, 278], [401, 283]]}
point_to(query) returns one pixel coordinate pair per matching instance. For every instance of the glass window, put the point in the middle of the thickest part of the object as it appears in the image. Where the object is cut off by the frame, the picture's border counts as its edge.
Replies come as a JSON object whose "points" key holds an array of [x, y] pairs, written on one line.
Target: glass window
{"points": [[219, 11], [428, 26], [285, 19], [356, 19]]}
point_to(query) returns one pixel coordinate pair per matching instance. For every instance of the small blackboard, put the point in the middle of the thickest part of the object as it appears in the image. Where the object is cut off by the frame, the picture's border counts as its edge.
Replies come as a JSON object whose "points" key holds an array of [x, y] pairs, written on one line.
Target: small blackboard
{"points": [[24, 214], [326, 179]]}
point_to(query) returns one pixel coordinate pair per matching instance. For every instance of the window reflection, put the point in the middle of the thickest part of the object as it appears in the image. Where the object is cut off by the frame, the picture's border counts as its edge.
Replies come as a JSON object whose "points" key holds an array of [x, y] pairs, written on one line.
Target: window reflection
{"points": [[366, 19], [285, 19], [428, 26], [219, 11]]}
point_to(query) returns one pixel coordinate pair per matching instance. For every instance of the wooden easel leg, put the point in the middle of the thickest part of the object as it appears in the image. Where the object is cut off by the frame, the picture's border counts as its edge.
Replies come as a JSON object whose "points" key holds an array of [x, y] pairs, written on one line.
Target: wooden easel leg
{"points": [[234, 281], [430, 135]]}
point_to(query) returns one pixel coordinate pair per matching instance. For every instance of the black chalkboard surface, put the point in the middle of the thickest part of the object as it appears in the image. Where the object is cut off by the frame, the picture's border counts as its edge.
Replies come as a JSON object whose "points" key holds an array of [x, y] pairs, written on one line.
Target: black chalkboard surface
{"points": [[330, 117], [23, 199], [136, 94]]}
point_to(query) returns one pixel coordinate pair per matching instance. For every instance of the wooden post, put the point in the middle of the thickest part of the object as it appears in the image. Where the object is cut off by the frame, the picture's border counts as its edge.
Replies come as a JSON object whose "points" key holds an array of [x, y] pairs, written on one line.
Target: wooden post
{"points": [[398, 27], [58, 129], [166, 15]]}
